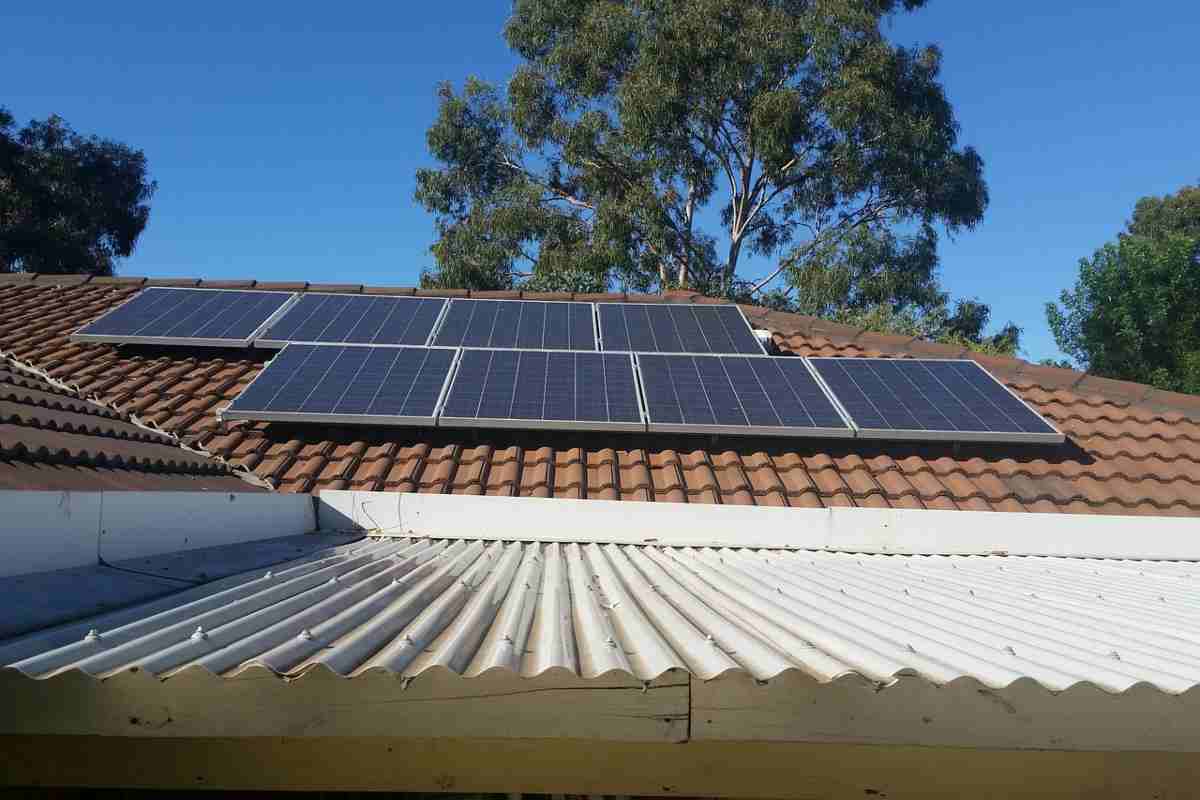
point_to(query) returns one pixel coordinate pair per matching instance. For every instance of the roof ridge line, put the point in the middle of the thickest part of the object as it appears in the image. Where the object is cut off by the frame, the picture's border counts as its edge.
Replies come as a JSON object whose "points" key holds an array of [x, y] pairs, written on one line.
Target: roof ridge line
{"points": [[240, 472]]}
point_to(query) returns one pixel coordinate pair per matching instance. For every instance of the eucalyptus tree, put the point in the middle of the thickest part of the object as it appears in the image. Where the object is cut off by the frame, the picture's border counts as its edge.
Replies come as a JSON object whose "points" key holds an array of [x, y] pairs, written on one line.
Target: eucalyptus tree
{"points": [[68, 203], [657, 142]]}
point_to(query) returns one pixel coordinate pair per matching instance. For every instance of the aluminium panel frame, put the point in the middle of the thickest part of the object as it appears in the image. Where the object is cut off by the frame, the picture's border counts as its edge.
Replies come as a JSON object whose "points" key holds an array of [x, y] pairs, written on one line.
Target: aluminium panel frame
{"points": [[909, 435], [510, 423], [762, 350], [179, 341], [262, 342], [349, 419], [788, 431], [450, 300]]}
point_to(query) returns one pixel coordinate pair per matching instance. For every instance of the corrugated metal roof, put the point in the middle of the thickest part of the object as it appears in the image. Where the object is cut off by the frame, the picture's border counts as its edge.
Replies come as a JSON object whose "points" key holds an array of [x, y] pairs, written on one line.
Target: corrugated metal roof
{"points": [[406, 605]]}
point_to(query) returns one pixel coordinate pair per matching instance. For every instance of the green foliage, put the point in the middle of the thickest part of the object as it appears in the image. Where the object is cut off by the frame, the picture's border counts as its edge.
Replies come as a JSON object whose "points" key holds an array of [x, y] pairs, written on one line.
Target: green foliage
{"points": [[1157, 217], [68, 203], [964, 327], [813, 135], [1133, 313]]}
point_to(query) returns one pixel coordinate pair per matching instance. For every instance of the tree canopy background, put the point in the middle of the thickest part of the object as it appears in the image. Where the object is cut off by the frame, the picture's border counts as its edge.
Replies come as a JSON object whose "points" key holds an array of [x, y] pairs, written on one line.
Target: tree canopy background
{"points": [[1133, 313], [817, 143], [68, 203]]}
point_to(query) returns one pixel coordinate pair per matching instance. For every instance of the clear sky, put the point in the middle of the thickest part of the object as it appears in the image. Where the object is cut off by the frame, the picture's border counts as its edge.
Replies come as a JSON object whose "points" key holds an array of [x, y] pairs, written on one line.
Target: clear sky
{"points": [[284, 136]]}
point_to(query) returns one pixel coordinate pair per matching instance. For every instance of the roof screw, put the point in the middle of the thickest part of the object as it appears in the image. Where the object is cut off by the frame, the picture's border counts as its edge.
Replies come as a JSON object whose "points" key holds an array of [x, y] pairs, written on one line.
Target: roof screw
{"points": [[269, 575], [911, 649], [1008, 649], [1115, 655], [508, 640], [906, 591], [1163, 599], [971, 592], [710, 640], [199, 635], [610, 641], [305, 635], [408, 641], [93, 635]]}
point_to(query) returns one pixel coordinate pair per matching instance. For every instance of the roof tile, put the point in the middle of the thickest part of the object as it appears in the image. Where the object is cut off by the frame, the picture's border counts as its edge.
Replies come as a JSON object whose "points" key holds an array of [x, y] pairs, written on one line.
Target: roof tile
{"points": [[1133, 450]]}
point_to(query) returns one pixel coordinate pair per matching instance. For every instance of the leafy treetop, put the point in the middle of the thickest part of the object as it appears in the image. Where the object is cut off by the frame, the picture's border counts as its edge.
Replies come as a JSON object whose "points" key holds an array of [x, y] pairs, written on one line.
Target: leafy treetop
{"points": [[814, 137], [68, 203]]}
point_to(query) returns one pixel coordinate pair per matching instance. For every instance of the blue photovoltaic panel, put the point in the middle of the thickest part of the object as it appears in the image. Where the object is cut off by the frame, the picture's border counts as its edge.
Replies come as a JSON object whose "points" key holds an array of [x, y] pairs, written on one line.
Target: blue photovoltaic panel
{"points": [[543, 389], [518, 324], [331, 383], [930, 399], [736, 394], [664, 328], [210, 317], [356, 319]]}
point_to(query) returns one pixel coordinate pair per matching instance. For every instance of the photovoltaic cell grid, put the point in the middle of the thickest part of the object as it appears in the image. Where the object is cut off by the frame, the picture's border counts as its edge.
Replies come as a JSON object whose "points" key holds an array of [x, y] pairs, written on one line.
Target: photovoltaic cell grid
{"points": [[532, 389], [736, 394], [930, 399], [356, 319], [209, 317], [367, 385], [656, 328], [518, 324]]}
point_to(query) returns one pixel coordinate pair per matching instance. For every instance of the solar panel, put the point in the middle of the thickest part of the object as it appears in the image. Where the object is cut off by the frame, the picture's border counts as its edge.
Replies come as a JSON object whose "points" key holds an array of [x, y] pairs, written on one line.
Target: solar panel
{"points": [[738, 395], [930, 399], [518, 324], [543, 389], [205, 317], [356, 319], [348, 384], [650, 328]]}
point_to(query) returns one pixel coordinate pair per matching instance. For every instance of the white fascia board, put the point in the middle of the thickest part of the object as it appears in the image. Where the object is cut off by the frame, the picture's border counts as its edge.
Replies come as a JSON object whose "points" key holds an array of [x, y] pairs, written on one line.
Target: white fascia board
{"points": [[893, 531], [43, 531]]}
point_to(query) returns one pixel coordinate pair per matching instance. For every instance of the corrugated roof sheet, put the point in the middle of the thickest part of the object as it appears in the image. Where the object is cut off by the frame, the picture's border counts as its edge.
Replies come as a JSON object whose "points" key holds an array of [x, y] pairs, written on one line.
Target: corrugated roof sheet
{"points": [[408, 605], [1132, 449]]}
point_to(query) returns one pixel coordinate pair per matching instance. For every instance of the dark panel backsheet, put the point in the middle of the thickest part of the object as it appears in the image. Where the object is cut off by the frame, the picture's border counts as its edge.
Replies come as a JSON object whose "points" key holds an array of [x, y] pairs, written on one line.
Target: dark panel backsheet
{"points": [[518, 324], [532, 389], [738, 395], [212, 317], [356, 319], [366, 385], [661, 328], [930, 399]]}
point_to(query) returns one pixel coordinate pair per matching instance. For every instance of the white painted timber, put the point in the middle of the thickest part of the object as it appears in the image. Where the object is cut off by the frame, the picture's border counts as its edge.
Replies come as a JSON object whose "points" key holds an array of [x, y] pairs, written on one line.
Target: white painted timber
{"points": [[859, 530], [42, 531], [138, 524]]}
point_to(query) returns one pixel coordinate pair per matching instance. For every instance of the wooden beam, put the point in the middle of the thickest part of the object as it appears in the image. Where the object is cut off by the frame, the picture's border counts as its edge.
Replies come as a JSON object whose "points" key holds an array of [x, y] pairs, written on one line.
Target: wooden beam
{"points": [[437, 703], [964, 713], [707, 769]]}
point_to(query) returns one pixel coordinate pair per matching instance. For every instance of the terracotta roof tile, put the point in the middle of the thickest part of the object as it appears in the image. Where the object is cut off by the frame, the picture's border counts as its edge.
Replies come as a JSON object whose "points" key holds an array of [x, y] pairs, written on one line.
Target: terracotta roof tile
{"points": [[52, 438], [1133, 450]]}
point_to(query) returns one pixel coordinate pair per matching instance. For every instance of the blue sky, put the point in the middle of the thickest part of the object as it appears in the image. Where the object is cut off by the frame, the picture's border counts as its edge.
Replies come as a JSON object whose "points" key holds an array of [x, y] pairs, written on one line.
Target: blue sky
{"points": [[284, 137]]}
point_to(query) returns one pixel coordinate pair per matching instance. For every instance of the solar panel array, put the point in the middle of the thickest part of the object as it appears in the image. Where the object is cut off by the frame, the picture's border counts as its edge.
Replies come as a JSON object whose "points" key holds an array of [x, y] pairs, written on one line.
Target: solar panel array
{"points": [[656, 328], [529, 388], [736, 394], [929, 399], [204, 317], [519, 324], [356, 319], [363, 385], [540, 364]]}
